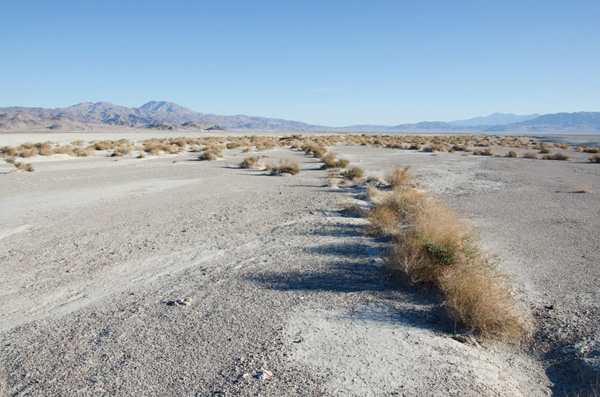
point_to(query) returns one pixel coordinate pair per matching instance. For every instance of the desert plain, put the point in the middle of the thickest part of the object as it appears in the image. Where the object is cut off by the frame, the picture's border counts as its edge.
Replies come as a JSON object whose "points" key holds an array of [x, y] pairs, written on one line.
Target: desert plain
{"points": [[165, 275]]}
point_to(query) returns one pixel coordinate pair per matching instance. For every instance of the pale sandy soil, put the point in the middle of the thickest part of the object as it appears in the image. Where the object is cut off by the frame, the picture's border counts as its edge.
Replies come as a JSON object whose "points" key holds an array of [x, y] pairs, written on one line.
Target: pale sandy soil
{"points": [[288, 296]]}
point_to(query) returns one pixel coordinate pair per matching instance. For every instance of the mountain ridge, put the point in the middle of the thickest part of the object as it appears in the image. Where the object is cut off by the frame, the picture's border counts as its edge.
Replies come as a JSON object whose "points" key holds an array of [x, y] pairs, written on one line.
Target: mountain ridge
{"points": [[164, 115]]}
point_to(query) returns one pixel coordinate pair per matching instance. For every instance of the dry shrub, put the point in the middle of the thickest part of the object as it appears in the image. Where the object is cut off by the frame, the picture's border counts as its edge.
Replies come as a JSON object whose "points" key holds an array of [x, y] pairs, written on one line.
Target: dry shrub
{"points": [[252, 163], [477, 296], [399, 177], [591, 150], [557, 156], [594, 159], [488, 152], [530, 155], [353, 173], [80, 151], [27, 152], [121, 151], [211, 154], [9, 151], [461, 148], [330, 160], [68, 150], [285, 167], [315, 150], [45, 149], [102, 145], [511, 153]]}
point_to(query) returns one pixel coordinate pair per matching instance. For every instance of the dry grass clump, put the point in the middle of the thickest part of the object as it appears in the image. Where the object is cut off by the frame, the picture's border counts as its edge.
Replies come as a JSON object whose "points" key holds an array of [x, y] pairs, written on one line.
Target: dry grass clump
{"points": [[434, 245], [285, 167], [557, 156], [399, 177], [80, 151], [331, 160], [102, 145], [121, 151], [211, 154], [353, 173], [530, 155], [584, 189], [594, 159], [511, 153], [252, 163]]}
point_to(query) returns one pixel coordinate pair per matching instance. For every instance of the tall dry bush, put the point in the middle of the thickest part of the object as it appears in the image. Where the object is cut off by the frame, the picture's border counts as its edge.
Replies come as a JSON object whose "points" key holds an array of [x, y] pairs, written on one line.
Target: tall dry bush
{"points": [[434, 245]]}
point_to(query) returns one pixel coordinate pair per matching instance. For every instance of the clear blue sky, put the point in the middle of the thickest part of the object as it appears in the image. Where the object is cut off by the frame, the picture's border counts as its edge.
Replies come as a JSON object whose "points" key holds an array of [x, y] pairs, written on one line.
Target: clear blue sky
{"points": [[333, 63]]}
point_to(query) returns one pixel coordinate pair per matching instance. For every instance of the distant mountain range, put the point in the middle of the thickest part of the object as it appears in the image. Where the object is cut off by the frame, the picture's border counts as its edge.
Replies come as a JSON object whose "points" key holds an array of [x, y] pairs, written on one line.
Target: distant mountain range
{"points": [[495, 119], [160, 115]]}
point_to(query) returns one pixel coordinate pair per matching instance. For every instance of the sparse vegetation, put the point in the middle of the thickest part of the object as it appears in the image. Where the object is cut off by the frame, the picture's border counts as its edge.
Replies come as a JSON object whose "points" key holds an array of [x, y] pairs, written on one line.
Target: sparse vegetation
{"points": [[511, 153]]}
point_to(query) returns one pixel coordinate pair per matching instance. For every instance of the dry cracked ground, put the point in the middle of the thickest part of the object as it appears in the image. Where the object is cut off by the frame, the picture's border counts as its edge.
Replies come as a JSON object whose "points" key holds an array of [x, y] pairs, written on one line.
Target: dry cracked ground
{"points": [[171, 276]]}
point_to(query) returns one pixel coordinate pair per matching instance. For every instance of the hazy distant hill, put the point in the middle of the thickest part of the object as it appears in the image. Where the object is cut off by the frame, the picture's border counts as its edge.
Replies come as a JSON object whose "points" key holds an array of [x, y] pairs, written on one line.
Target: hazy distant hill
{"points": [[163, 115], [495, 119], [580, 123]]}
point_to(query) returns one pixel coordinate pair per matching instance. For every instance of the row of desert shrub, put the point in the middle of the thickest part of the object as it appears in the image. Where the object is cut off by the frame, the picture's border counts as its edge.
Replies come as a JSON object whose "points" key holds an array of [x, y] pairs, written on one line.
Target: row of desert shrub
{"points": [[434, 245], [316, 145]]}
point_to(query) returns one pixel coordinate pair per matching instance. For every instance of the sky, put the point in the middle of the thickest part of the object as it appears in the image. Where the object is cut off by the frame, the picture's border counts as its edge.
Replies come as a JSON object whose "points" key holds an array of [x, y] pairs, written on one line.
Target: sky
{"points": [[333, 63]]}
